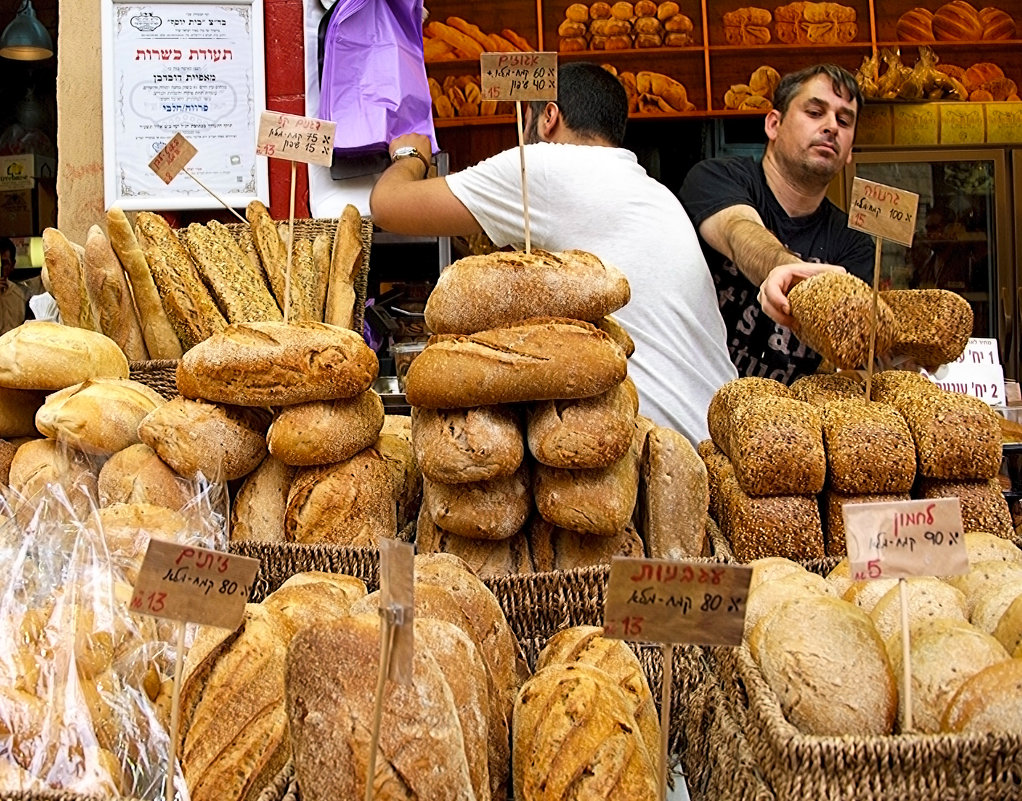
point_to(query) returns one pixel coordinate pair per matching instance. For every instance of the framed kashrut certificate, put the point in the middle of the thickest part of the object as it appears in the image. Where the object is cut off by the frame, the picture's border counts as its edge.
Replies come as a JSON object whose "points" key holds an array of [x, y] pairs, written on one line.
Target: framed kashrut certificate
{"points": [[188, 67]]}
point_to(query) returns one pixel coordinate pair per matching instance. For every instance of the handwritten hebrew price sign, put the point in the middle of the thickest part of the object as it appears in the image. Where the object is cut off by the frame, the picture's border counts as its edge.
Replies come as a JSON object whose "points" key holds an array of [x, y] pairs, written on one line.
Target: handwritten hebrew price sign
{"points": [[184, 582], [657, 600], [905, 538], [288, 136], [883, 211], [173, 158], [518, 76]]}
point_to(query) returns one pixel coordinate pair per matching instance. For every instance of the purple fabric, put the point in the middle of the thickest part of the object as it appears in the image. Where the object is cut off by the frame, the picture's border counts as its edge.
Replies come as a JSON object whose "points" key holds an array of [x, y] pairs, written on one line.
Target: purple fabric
{"points": [[374, 76]]}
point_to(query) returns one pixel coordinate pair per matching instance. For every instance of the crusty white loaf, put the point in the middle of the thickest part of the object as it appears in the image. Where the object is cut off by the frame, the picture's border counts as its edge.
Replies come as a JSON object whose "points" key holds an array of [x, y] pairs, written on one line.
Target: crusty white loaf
{"points": [[537, 359], [495, 289], [98, 416], [221, 442], [111, 297], [39, 354], [137, 475], [277, 364]]}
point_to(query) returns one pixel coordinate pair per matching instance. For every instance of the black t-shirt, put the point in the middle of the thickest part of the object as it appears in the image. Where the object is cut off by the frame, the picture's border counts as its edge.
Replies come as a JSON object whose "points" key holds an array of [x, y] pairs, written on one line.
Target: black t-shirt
{"points": [[758, 345]]}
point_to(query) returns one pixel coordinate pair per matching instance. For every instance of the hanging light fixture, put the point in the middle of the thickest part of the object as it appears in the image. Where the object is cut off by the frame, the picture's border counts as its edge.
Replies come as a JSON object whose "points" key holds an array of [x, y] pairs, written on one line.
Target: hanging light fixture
{"points": [[25, 39]]}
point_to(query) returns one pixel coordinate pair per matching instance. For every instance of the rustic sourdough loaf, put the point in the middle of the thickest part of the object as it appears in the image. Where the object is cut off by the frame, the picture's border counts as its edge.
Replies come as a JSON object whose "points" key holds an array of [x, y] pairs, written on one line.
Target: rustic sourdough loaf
{"points": [[495, 289], [43, 355], [494, 509], [137, 475], [555, 548], [324, 432], [273, 364], [486, 558], [674, 495], [261, 502], [456, 446], [537, 359], [989, 702]]}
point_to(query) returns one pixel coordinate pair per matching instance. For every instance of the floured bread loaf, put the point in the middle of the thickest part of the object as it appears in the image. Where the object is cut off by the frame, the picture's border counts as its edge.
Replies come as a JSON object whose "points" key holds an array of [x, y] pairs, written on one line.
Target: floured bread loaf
{"points": [[261, 502], [323, 432], [486, 558], [490, 510], [277, 364], [496, 289], [537, 359], [456, 446], [39, 354], [137, 475]]}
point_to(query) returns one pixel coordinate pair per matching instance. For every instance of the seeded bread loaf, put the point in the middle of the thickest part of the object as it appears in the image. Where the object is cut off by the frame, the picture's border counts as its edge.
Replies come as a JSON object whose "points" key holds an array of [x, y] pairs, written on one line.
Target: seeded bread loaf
{"points": [[934, 325], [477, 293], [889, 386], [983, 505], [832, 313], [189, 305], [928, 598], [454, 446], [270, 247], [494, 509], [834, 521], [273, 364], [717, 464], [730, 397], [324, 432], [869, 448], [768, 595], [597, 501], [821, 388], [583, 433], [539, 359]]}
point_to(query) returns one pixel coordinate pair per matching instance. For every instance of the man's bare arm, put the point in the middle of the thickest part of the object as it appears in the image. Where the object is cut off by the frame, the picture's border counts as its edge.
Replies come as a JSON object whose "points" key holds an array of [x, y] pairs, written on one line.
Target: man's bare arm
{"points": [[406, 202], [738, 233]]}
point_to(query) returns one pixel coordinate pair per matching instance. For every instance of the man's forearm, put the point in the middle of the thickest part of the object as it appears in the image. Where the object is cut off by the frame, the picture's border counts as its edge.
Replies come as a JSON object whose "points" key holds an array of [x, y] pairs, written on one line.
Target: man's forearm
{"points": [[386, 201], [754, 250]]}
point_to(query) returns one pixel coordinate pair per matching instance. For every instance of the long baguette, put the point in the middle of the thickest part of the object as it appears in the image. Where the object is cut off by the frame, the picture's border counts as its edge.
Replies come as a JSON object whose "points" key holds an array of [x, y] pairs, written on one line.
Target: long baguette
{"points": [[321, 258], [188, 303], [304, 283], [65, 266], [160, 340], [108, 289], [270, 248], [345, 264], [241, 295]]}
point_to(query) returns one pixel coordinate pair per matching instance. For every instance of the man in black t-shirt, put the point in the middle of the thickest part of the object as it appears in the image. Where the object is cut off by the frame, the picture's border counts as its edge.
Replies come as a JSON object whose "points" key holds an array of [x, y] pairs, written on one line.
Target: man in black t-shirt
{"points": [[766, 225]]}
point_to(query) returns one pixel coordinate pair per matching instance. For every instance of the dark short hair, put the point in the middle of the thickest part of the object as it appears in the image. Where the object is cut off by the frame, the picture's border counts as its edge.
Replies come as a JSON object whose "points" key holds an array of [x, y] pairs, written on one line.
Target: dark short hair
{"points": [[843, 82], [7, 246], [592, 101]]}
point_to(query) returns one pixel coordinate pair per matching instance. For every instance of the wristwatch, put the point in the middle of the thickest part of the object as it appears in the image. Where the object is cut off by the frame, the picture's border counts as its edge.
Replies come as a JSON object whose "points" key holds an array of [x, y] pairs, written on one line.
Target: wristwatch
{"points": [[409, 152]]}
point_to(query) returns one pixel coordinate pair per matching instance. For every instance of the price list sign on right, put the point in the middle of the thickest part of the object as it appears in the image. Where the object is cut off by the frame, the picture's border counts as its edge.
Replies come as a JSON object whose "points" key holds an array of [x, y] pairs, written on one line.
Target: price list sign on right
{"points": [[906, 538]]}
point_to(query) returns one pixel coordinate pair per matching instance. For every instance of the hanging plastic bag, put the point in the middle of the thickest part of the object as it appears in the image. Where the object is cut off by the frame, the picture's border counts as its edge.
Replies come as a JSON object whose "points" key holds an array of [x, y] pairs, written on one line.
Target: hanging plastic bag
{"points": [[373, 82]]}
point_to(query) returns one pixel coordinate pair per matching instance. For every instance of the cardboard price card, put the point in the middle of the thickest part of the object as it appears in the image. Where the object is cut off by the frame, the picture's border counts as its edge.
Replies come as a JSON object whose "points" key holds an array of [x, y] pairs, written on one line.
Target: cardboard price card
{"points": [[905, 538], [173, 158], [657, 600], [977, 372], [288, 136], [184, 582], [397, 602], [518, 76], [883, 211]]}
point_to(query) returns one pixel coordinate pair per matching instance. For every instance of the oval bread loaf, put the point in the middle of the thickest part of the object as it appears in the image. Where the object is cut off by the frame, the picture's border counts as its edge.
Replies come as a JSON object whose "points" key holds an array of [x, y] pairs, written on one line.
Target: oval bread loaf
{"points": [[557, 548], [538, 359], [455, 446], [989, 702], [323, 432], [277, 364], [486, 558], [494, 509], [674, 495], [495, 289], [39, 354], [260, 504], [98, 416], [137, 475]]}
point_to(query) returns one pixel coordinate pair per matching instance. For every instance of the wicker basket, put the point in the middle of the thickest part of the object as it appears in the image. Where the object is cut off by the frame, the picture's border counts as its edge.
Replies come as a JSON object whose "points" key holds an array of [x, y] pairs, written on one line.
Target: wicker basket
{"points": [[907, 767], [158, 374]]}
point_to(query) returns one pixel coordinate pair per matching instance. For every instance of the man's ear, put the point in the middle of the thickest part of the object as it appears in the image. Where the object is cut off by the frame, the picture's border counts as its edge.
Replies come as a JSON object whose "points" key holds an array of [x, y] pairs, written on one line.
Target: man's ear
{"points": [[549, 120], [771, 123]]}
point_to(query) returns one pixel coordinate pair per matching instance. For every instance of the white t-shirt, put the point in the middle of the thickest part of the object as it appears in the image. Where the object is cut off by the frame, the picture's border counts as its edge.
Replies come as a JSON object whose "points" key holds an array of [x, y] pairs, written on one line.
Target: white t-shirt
{"points": [[600, 199]]}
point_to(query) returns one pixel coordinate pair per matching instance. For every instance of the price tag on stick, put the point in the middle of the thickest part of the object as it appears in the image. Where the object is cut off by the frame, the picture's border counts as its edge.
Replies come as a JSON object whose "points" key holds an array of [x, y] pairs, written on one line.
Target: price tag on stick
{"points": [[656, 600], [172, 159], [887, 213], [188, 583], [905, 538], [518, 77]]}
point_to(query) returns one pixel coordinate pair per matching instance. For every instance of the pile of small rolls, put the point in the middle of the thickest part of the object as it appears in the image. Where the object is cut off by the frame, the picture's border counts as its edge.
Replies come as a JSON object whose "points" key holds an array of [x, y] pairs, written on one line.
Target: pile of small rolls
{"points": [[623, 26]]}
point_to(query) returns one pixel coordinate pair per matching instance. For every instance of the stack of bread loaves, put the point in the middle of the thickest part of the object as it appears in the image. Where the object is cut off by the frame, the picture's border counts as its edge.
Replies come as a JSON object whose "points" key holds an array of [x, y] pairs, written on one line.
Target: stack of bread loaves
{"points": [[517, 361], [773, 449], [332, 474], [157, 292]]}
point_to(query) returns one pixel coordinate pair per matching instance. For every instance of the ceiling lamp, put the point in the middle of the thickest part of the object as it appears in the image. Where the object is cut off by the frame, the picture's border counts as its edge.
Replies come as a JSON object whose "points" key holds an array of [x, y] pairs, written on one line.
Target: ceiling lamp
{"points": [[25, 39]]}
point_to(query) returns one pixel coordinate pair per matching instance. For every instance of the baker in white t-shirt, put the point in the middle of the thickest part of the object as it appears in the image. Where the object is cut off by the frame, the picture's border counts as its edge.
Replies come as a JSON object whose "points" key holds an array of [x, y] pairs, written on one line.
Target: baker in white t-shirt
{"points": [[586, 192]]}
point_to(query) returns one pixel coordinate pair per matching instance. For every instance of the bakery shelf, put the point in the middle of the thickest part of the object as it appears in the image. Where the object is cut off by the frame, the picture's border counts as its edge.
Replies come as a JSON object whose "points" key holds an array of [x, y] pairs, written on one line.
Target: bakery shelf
{"points": [[461, 122]]}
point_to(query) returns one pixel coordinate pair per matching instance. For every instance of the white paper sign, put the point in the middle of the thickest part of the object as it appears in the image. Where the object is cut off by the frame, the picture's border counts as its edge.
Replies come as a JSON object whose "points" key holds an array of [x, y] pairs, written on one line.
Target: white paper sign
{"points": [[977, 372], [189, 67]]}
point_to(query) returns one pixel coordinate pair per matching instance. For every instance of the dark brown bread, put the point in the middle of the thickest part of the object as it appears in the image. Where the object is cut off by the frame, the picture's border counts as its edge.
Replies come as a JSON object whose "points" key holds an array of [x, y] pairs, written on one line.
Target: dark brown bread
{"points": [[934, 325], [869, 448], [539, 359], [495, 289], [455, 446], [586, 432], [983, 505], [735, 393], [821, 388], [273, 364], [834, 521]]}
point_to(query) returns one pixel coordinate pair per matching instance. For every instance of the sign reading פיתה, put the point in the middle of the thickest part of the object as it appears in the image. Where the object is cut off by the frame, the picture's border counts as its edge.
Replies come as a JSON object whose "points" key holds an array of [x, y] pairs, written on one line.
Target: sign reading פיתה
{"points": [[192, 68]]}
